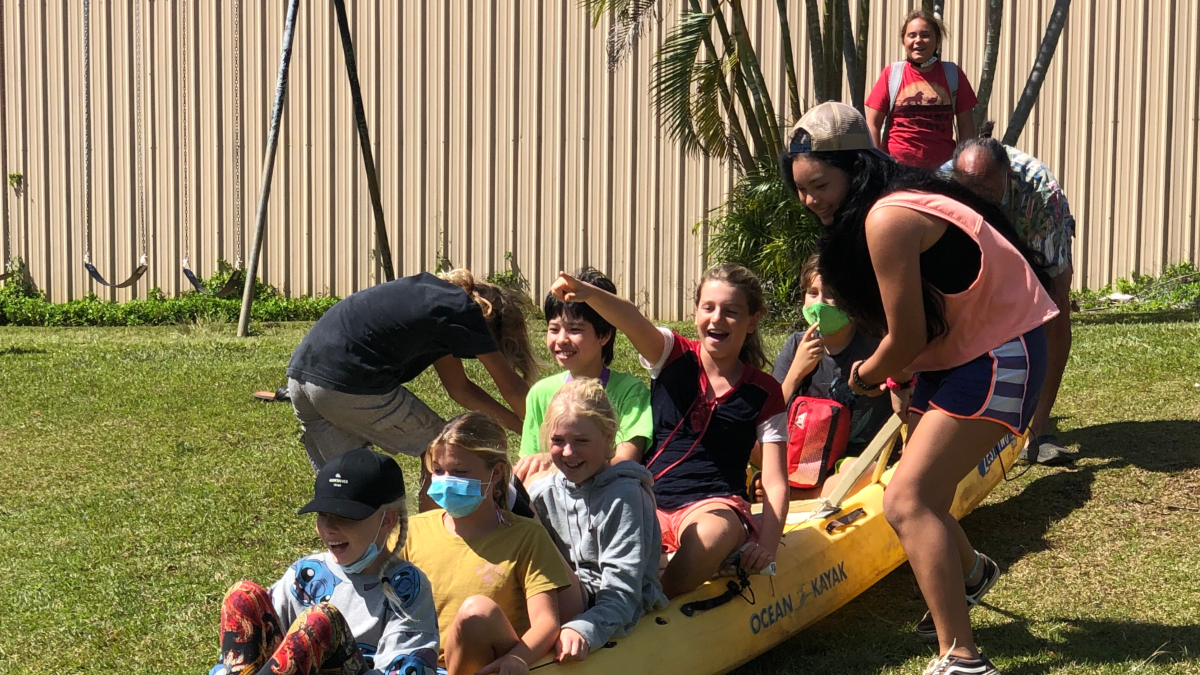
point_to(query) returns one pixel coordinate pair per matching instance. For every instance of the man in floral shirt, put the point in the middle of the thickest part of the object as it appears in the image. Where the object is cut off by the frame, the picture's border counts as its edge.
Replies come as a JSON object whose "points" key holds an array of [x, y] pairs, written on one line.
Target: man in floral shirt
{"points": [[1036, 206]]}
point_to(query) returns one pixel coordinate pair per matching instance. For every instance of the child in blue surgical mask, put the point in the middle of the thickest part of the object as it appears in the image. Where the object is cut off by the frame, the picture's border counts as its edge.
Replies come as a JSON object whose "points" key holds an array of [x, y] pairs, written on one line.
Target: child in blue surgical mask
{"points": [[354, 607], [496, 576], [816, 362]]}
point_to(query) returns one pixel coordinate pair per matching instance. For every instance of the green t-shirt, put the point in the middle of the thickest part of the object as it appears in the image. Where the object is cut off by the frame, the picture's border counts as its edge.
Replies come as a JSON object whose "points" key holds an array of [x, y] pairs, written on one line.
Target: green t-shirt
{"points": [[629, 397]]}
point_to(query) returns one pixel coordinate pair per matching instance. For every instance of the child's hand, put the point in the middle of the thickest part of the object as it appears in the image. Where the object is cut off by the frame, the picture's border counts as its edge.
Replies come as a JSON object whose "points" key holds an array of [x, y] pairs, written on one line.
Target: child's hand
{"points": [[569, 289], [570, 646], [809, 352], [755, 558], [531, 465], [505, 665]]}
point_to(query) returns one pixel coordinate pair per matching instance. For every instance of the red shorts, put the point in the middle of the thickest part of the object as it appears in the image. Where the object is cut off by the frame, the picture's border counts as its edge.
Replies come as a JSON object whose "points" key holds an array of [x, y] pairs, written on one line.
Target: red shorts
{"points": [[672, 521]]}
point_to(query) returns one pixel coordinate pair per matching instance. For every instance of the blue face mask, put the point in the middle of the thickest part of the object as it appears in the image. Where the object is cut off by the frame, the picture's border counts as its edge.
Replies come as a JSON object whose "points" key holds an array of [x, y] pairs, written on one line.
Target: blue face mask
{"points": [[368, 556], [458, 496]]}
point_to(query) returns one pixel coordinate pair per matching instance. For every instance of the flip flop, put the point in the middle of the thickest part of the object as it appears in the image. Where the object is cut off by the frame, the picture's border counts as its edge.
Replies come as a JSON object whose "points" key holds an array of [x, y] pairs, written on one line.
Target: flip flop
{"points": [[280, 395]]}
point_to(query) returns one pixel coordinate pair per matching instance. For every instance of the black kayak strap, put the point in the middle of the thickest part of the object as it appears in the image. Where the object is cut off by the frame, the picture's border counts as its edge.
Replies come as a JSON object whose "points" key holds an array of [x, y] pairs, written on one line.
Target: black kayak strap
{"points": [[733, 589]]}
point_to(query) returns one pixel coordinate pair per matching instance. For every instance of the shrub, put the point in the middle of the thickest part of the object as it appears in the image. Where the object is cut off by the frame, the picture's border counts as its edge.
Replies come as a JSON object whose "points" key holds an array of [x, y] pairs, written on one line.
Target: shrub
{"points": [[21, 304], [764, 227], [1178, 287]]}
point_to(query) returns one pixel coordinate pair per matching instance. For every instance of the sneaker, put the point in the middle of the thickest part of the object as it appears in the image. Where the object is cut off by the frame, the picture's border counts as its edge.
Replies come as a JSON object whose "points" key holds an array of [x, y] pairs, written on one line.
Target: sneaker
{"points": [[927, 632], [956, 665], [1050, 453]]}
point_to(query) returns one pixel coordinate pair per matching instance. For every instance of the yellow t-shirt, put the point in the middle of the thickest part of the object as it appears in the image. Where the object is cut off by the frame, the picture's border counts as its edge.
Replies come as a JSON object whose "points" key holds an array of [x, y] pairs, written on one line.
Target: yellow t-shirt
{"points": [[510, 564]]}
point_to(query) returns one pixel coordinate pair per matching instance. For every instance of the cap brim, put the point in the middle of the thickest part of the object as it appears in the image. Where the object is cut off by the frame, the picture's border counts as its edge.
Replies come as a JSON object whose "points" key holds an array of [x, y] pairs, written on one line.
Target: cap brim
{"points": [[339, 507]]}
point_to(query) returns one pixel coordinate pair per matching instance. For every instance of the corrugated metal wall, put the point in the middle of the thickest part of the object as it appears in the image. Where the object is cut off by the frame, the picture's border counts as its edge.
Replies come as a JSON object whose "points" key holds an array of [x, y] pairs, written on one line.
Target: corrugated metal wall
{"points": [[498, 128]]}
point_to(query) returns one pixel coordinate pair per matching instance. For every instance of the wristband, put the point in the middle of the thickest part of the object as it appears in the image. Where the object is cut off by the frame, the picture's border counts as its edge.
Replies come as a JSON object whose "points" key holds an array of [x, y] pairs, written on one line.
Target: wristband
{"points": [[901, 386], [858, 381]]}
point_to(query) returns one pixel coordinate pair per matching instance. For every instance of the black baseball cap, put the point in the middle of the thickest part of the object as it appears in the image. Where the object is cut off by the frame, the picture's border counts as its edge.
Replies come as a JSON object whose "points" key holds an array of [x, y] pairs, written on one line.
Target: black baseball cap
{"points": [[356, 484]]}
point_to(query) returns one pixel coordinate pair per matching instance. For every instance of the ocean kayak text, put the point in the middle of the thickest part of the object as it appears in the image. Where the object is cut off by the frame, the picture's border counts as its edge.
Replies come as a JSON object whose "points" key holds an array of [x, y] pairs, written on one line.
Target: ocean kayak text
{"points": [[772, 612]]}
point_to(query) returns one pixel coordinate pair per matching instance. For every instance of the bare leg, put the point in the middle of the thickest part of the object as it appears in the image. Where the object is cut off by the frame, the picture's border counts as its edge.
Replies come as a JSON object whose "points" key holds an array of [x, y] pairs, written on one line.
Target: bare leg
{"points": [[706, 538], [966, 552], [1058, 350], [480, 634], [940, 451]]}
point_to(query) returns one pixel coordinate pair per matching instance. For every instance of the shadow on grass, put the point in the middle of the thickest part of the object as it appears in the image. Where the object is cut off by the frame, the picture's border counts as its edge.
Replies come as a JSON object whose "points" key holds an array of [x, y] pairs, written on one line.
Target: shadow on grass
{"points": [[1116, 316], [1090, 642], [879, 623], [1009, 530], [21, 351], [1160, 446]]}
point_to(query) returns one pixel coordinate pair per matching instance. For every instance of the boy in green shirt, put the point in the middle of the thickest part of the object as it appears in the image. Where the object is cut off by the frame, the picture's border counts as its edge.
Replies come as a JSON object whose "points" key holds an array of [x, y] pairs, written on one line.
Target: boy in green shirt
{"points": [[581, 341]]}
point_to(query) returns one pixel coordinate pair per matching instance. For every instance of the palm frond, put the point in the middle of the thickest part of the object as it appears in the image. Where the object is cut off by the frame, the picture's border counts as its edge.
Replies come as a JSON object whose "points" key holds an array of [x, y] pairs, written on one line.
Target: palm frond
{"points": [[629, 20], [709, 125], [674, 70]]}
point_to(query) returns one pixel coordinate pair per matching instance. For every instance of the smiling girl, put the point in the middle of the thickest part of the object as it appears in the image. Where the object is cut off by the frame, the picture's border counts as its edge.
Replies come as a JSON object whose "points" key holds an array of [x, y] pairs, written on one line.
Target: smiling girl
{"points": [[711, 403], [921, 98], [959, 300], [582, 343], [495, 575], [603, 518]]}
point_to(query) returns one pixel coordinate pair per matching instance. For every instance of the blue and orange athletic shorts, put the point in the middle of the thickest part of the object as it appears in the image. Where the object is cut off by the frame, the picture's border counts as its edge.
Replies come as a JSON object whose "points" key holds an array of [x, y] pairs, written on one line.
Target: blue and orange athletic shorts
{"points": [[1002, 385]]}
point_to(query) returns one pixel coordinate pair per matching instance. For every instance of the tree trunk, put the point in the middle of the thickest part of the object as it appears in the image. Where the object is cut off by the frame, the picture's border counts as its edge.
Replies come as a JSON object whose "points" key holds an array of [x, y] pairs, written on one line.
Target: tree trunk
{"points": [[833, 85], [850, 52], [991, 51], [748, 60], [829, 51], [816, 48], [1033, 86], [864, 23], [789, 62], [738, 82]]}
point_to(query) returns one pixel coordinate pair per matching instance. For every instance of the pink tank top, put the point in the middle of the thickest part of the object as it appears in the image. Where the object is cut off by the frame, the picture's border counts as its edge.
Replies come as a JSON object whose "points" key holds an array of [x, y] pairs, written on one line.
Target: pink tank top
{"points": [[1005, 301]]}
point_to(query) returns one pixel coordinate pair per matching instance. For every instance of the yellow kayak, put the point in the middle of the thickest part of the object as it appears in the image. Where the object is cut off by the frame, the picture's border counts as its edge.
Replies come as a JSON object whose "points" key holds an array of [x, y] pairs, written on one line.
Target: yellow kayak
{"points": [[832, 550]]}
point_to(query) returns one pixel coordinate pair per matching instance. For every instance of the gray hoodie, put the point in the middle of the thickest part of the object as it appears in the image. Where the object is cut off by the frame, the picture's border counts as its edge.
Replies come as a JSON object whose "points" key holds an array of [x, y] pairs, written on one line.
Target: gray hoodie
{"points": [[608, 530]]}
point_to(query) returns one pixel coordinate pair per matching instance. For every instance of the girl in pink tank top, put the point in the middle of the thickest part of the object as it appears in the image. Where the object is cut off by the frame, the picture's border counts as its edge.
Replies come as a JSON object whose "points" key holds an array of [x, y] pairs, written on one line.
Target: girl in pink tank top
{"points": [[941, 276]]}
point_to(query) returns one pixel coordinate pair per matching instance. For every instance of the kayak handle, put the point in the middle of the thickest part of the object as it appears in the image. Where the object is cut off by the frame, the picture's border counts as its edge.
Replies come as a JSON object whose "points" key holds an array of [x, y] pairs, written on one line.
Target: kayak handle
{"points": [[733, 589]]}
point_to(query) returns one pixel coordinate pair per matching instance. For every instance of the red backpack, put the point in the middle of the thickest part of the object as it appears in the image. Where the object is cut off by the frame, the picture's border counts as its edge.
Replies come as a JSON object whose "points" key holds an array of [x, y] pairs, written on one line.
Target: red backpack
{"points": [[818, 433]]}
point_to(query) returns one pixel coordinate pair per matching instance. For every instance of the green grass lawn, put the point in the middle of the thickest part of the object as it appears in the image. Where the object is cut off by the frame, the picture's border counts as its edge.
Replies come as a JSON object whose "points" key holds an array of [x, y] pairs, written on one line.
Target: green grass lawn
{"points": [[141, 480]]}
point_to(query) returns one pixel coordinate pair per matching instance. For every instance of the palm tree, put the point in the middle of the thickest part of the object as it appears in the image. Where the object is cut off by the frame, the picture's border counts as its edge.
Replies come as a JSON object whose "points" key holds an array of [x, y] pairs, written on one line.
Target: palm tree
{"points": [[991, 50], [1033, 85], [708, 84], [709, 90]]}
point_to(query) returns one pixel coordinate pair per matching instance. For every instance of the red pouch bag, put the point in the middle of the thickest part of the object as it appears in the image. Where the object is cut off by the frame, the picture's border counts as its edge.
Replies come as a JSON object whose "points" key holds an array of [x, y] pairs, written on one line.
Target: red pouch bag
{"points": [[818, 433]]}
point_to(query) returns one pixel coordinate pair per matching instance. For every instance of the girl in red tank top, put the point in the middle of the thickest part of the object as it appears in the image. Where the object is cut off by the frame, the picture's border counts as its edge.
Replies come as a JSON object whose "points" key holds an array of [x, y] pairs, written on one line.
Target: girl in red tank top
{"points": [[940, 275]]}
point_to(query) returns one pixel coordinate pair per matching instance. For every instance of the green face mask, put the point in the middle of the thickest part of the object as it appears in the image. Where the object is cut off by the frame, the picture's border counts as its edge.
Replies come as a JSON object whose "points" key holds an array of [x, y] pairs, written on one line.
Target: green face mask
{"points": [[831, 318]]}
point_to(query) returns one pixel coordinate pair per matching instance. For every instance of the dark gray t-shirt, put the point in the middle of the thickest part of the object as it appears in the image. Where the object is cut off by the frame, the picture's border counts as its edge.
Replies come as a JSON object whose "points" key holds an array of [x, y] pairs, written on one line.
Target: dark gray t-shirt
{"points": [[867, 414], [384, 336]]}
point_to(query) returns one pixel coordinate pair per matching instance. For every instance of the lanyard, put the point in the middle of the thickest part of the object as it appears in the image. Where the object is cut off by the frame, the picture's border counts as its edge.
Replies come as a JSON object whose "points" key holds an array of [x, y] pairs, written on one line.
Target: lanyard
{"points": [[603, 377], [686, 417]]}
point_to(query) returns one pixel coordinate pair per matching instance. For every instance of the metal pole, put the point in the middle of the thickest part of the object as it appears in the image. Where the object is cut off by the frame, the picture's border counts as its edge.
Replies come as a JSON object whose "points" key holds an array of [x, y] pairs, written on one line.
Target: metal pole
{"points": [[264, 194], [383, 249]]}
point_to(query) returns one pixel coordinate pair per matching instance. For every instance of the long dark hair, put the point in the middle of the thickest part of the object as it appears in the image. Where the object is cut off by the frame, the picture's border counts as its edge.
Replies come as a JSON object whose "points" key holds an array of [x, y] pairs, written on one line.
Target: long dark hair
{"points": [[845, 261]]}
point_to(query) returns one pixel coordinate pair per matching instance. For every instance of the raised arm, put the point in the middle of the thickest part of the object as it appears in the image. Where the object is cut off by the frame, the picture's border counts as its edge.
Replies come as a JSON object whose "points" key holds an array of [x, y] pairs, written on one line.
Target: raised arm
{"points": [[621, 313]]}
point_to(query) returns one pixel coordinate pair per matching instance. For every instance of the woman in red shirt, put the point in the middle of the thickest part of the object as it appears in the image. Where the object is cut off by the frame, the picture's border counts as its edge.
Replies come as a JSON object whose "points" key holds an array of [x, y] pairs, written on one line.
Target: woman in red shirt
{"points": [[930, 94]]}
